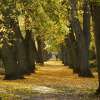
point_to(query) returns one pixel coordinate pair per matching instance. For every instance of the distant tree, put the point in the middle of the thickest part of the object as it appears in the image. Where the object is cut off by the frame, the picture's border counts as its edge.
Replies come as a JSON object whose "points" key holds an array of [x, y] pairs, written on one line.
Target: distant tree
{"points": [[40, 44]]}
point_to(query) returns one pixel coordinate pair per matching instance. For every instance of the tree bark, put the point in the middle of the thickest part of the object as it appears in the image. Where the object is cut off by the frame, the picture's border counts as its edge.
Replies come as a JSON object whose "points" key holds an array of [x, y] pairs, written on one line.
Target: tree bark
{"points": [[74, 52], [86, 27], [96, 19], [20, 48], [84, 70], [30, 50], [10, 62], [62, 51], [40, 50], [19, 43]]}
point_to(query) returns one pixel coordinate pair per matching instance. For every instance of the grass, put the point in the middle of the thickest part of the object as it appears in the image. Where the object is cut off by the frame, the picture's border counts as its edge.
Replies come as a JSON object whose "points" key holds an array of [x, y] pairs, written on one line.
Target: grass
{"points": [[53, 81]]}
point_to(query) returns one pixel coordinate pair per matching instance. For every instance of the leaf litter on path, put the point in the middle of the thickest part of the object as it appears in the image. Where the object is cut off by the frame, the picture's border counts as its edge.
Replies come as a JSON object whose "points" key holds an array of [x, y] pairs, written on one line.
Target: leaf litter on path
{"points": [[53, 81]]}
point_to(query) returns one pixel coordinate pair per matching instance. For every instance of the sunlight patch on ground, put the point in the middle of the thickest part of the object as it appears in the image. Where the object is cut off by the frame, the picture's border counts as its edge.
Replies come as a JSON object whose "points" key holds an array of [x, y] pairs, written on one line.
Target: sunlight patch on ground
{"points": [[53, 62], [44, 89]]}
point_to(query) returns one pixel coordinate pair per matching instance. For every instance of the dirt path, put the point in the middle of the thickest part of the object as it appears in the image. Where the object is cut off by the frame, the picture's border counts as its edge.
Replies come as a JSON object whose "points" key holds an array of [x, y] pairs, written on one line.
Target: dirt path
{"points": [[52, 81]]}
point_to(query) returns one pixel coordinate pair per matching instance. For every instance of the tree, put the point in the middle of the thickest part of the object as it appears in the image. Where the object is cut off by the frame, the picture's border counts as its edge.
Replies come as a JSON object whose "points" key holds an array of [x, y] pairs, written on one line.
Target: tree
{"points": [[9, 59], [40, 44], [82, 48], [23, 57], [96, 19]]}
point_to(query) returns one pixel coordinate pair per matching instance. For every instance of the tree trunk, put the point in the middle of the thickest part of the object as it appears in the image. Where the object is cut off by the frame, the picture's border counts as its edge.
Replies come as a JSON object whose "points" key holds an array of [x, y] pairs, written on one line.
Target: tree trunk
{"points": [[10, 62], [40, 50], [19, 43], [35, 51], [62, 51], [74, 52], [68, 50], [84, 70], [86, 27], [76, 58], [20, 48], [12, 23], [96, 19], [30, 50], [86, 22], [83, 65], [65, 55]]}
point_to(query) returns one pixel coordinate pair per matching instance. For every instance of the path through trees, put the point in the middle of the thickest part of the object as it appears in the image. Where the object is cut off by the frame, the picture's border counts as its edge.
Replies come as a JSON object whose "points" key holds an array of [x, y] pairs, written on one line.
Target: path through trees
{"points": [[53, 81], [32, 31]]}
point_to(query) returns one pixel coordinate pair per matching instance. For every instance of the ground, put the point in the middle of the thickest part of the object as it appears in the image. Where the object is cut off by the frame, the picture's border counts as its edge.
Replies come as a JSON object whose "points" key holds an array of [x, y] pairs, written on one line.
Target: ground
{"points": [[53, 81]]}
